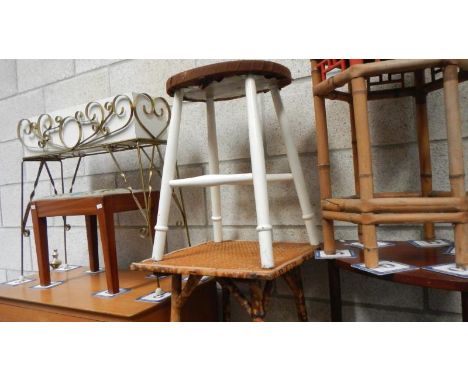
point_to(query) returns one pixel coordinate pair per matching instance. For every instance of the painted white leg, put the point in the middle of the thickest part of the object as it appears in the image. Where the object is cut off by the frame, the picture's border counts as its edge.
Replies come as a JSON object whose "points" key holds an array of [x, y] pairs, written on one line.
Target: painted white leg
{"points": [[213, 161], [168, 174], [257, 156], [308, 214]]}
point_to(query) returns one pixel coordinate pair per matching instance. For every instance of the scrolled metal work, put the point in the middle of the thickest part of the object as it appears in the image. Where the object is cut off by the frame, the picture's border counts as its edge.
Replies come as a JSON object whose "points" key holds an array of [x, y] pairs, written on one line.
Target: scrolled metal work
{"points": [[97, 124]]}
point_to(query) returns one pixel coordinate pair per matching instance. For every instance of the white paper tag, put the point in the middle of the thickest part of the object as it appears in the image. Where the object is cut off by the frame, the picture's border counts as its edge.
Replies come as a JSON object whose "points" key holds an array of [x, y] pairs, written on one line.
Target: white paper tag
{"points": [[449, 269], [51, 285], [106, 294], [153, 297], [385, 268], [430, 243], [99, 206], [339, 253], [19, 281], [380, 244], [66, 268]]}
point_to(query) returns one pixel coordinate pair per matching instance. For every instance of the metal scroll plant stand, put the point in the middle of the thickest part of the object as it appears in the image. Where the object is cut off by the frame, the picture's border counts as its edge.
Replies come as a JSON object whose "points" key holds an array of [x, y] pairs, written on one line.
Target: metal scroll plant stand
{"points": [[98, 117]]}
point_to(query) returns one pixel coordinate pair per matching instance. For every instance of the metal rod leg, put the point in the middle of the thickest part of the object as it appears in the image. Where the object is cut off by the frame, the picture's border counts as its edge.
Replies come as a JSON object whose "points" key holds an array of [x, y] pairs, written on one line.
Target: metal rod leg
{"points": [[334, 283], [168, 175], [257, 155], [464, 299], [308, 214], [213, 160]]}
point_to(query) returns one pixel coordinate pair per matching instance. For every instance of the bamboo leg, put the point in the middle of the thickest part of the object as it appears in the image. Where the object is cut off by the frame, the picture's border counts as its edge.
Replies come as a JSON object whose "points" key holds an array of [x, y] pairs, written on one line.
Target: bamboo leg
{"points": [[323, 160], [229, 285], [257, 308], [355, 157], [424, 148], [257, 156], [268, 288], [213, 161], [455, 151], [176, 289], [167, 175], [294, 280], [92, 236], [334, 283], [366, 185]]}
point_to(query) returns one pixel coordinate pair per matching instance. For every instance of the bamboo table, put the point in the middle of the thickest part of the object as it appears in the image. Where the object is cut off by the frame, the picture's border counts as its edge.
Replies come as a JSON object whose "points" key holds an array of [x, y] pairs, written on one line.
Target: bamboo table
{"points": [[230, 262], [406, 253], [390, 79]]}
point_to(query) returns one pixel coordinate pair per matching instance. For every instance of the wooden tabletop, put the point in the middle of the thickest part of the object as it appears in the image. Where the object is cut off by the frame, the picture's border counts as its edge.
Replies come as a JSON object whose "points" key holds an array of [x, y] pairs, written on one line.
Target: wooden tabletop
{"points": [[76, 294], [407, 253]]}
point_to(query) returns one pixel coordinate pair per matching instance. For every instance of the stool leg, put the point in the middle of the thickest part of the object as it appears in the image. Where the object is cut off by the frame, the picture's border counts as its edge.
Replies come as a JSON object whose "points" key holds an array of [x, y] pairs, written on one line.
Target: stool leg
{"points": [[323, 160], [257, 156], [167, 175], [366, 183], [107, 231], [213, 161], [455, 156], [91, 234], [334, 284], [424, 148], [308, 214], [42, 247]]}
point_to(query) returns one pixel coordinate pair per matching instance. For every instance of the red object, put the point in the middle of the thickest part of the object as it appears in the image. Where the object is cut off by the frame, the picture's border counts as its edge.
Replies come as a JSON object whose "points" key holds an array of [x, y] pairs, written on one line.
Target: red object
{"points": [[327, 65]]}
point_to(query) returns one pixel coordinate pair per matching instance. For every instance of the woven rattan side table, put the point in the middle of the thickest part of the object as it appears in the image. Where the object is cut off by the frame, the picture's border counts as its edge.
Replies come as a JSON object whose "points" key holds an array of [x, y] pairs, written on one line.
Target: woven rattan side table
{"points": [[367, 81], [231, 262]]}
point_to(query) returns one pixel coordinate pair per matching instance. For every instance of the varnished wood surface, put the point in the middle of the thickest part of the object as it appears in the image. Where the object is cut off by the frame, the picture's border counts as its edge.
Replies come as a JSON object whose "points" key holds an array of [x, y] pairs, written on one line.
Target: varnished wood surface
{"points": [[74, 300], [407, 253]]}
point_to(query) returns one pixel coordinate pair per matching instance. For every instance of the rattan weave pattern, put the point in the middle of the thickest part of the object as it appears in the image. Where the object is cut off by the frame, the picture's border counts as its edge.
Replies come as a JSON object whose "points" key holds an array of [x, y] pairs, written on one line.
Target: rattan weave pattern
{"points": [[233, 259]]}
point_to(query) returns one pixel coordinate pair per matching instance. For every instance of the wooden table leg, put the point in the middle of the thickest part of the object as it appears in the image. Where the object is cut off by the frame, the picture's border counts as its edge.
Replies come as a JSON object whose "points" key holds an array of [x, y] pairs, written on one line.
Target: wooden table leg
{"points": [[334, 283], [176, 289], [42, 246], [464, 298], [226, 304], [107, 231], [91, 233], [294, 280]]}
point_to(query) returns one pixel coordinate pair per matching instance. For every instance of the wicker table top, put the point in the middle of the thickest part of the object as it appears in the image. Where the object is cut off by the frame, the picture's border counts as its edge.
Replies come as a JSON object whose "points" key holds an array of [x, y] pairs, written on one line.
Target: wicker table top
{"points": [[232, 259]]}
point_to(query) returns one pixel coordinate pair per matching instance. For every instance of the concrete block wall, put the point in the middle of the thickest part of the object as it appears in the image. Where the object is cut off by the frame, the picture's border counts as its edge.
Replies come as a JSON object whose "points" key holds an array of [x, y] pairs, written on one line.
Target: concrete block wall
{"points": [[31, 87]]}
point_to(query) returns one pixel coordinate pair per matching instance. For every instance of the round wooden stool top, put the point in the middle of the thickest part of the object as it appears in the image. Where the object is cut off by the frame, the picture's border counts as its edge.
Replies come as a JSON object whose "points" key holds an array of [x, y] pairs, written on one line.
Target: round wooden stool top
{"points": [[226, 80]]}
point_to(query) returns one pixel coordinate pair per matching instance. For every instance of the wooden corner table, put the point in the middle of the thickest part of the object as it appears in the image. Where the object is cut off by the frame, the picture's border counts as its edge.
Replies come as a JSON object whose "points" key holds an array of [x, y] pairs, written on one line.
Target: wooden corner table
{"points": [[96, 206], [406, 253]]}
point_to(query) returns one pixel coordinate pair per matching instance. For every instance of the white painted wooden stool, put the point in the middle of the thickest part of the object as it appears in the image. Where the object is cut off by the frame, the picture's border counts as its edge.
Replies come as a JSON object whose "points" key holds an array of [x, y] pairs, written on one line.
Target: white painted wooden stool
{"points": [[225, 81]]}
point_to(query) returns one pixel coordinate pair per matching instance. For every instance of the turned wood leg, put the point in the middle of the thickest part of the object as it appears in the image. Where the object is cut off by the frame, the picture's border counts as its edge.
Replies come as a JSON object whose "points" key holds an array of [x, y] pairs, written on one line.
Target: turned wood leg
{"points": [[294, 280], [168, 174], [334, 283], [107, 231], [257, 311], [257, 158], [92, 236], [226, 304], [42, 247]]}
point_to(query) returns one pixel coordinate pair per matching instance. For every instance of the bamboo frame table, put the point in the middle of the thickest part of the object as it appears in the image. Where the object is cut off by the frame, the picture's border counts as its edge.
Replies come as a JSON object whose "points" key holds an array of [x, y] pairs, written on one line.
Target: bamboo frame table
{"points": [[230, 262], [408, 254], [391, 79]]}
